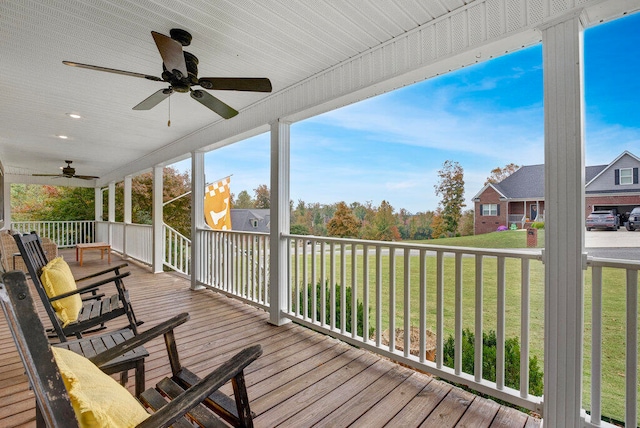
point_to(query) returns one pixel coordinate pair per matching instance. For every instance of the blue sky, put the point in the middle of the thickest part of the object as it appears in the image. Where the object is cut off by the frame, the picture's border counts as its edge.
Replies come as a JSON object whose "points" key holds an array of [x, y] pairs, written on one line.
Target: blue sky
{"points": [[390, 147]]}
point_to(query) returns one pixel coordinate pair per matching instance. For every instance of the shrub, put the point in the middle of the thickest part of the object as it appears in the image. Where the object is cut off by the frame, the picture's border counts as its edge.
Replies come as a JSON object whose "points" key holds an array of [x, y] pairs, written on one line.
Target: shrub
{"points": [[327, 317], [537, 225], [512, 360]]}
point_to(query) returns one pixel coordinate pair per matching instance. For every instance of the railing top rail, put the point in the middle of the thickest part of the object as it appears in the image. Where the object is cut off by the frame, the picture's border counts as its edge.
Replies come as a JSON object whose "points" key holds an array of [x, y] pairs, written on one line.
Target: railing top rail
{"points": [[238, 232], [613, 263], [535, 254]]}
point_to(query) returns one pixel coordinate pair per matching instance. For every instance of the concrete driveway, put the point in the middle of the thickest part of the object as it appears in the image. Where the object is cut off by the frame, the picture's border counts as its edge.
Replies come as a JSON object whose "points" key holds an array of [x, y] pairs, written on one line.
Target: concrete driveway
{"points": [[622, 244], [612, 239]]}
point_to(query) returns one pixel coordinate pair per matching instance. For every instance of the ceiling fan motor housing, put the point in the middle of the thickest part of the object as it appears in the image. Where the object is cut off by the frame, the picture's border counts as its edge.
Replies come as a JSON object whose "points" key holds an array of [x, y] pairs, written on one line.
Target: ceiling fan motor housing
{"points": [[178, 82], [181, 36]]}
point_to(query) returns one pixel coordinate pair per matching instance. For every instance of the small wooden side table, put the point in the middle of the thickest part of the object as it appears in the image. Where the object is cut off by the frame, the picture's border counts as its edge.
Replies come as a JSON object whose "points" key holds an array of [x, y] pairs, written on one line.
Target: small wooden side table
{"points": [[102, 246]]}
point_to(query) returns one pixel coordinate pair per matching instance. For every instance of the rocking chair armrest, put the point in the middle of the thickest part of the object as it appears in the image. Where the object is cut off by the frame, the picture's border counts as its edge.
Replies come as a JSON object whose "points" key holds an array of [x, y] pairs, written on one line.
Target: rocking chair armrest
{"points": [[102, 272], [193, 396], [89, 287], [140, 339]]}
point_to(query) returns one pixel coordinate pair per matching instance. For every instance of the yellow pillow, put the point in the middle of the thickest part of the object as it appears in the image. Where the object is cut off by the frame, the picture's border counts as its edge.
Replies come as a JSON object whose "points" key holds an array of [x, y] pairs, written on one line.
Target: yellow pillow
{"points": [[56, 278], [97, 399]]}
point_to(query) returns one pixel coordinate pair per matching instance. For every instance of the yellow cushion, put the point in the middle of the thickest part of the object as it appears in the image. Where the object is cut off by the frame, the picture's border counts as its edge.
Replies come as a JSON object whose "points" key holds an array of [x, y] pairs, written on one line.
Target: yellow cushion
{"points": [[97, 399], [56, 278]]}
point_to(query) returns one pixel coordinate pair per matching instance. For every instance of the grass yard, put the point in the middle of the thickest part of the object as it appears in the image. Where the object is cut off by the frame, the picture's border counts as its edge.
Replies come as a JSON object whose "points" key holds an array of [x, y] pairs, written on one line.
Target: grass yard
{"points": [[506, 239], [614, 294]]}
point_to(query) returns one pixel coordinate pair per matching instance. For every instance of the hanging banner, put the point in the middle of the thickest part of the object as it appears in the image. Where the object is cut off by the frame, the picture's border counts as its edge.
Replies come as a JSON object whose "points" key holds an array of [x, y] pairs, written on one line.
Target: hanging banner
{"points": [[217, 206]]}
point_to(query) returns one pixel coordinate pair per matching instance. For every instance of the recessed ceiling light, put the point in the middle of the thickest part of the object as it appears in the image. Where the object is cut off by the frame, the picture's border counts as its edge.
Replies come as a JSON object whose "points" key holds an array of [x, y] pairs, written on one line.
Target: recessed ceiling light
{"points": [[74, 115], [64, 137]]}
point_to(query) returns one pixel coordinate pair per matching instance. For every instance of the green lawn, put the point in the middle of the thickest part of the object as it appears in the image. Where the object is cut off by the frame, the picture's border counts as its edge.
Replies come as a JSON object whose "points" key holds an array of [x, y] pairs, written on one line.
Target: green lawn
{"points": [[506, 239], [613, 303]]}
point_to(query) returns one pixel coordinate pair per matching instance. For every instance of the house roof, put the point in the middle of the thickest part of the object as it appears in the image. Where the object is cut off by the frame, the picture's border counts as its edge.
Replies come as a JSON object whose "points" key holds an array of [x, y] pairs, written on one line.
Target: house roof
{"points": [[528, 181], [251, 220]]}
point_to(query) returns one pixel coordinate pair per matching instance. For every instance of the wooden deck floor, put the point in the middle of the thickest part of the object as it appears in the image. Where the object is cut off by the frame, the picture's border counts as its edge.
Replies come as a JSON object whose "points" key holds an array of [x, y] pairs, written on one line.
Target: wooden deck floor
{"points": [[302, 379]]}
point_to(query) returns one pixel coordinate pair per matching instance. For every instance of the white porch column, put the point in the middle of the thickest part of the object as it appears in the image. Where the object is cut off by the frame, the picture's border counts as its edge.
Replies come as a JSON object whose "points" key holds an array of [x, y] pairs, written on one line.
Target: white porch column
{"points": [[280, 176], [111, 210], [197, 215], [98, 203], [564, 199], [156, 214], [127, 212], [6, 203]]}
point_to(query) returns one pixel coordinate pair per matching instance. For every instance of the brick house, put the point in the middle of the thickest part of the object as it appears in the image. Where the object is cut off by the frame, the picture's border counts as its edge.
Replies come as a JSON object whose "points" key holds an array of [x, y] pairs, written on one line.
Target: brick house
{"points": [[519, 199]]}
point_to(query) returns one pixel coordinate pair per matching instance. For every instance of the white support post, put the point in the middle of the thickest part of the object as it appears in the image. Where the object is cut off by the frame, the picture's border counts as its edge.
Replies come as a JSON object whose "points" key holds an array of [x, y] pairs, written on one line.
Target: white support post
{"points": [[564, 199], [197, 216], [127, 212], [6, 203], [280, 220], [158, 238], [98, 203], [111, 210]]}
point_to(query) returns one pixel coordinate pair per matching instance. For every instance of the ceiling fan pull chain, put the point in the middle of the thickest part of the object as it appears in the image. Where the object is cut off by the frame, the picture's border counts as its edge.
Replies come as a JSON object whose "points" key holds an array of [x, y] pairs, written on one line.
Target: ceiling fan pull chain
{"points": [[169, 121]]}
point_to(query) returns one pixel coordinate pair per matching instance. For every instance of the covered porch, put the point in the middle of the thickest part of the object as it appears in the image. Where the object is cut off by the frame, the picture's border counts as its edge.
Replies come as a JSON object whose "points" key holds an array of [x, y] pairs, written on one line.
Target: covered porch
{"points": [[375, 51], [303, 378]]}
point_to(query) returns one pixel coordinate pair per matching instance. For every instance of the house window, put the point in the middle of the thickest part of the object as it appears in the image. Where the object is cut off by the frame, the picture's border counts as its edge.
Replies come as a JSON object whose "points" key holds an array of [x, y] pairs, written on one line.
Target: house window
{"points": [[626, 176], [490, 209]]}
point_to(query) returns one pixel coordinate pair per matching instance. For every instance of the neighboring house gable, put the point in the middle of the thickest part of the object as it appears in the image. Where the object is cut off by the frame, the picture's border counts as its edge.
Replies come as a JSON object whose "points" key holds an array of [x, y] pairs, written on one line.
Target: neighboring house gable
{"points": [[619, 176], [251, 220]]}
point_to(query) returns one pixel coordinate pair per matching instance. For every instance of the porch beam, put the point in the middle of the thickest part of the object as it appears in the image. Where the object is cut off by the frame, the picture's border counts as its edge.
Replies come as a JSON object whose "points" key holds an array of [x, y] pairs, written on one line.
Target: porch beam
{"points": [[564, 195], [158, 241], [280, 221], [197, 216]]}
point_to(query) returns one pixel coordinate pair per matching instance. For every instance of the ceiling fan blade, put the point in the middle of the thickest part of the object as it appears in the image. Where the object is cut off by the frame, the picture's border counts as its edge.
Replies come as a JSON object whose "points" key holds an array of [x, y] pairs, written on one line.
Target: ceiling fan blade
{"points": [[253, 84], [46, 175], [85, 177], [154, 99], [211, 102], [112, 70], [171, 53]]}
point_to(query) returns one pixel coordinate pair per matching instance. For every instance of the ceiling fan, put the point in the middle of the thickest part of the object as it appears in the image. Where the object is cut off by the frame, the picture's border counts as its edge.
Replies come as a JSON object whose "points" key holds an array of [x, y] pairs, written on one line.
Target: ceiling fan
{"points": [[180, 71], [67, 172]]}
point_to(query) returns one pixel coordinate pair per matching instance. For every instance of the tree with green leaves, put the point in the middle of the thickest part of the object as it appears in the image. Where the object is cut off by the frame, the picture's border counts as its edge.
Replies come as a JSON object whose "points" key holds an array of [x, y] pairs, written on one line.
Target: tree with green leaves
{"points": [[176, 214], [344, 223], [243, 201], [450, 188], [49, 203]]}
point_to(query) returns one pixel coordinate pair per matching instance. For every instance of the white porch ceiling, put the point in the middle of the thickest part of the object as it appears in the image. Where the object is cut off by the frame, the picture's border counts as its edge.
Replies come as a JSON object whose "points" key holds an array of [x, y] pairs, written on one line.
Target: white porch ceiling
{"points": [[319, 54]]}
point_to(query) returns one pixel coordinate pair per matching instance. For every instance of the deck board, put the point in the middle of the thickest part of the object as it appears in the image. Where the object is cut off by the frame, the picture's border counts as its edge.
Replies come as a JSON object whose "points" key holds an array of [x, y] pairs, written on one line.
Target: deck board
{"points": [[302, 379]]}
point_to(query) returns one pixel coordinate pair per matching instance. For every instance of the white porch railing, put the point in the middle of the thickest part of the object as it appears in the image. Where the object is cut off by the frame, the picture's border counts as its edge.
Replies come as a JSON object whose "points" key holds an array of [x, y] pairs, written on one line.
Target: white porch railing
{"points": [[64, 233], [623, 385], [236, 263], [177, 250], [411, 288], [132, 240]]}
